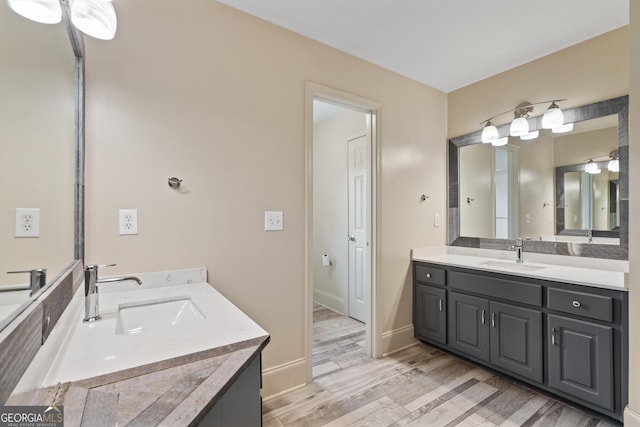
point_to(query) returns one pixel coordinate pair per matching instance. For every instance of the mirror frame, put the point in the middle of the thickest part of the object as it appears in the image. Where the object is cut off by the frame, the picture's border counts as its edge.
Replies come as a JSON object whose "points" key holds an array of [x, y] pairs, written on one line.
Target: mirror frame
{"points": [[560, 204], [619, 106]]}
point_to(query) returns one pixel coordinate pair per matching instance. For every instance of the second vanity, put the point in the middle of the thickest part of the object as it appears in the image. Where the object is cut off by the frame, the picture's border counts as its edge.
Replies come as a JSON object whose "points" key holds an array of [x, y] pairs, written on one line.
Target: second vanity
{"points": [[172, 351], [560, 328]]}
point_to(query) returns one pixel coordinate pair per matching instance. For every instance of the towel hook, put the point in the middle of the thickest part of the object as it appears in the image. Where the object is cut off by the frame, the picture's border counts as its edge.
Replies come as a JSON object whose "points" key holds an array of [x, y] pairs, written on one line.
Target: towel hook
{"points": [[174, 182]]}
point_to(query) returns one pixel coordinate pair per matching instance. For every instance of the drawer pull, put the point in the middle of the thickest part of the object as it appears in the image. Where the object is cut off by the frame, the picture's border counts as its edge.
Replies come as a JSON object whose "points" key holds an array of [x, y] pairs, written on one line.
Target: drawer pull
{"points": [[440, 303], [553, 336], [428, 275], [483, 319], [493, 320], [577, 304]]}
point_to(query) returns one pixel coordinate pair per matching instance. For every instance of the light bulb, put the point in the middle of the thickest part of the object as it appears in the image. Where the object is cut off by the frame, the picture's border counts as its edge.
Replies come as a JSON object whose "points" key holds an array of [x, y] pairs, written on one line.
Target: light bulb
{"points": [[553, 117], [614, 165], [591, 168], [95, 18], [489, 133], [563, 128], [42, 11], [519, 127], [531, 135], [500, 141]]}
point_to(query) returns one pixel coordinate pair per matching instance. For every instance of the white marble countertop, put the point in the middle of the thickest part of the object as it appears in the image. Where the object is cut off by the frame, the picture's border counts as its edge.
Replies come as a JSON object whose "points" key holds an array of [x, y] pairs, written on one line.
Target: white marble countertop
{"points": [[599, 273], [85, 350]]}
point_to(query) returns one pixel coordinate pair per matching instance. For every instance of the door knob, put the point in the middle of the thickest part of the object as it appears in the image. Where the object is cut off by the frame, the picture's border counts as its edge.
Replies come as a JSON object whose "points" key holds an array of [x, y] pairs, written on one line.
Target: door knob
{"points": [[351, 238]]}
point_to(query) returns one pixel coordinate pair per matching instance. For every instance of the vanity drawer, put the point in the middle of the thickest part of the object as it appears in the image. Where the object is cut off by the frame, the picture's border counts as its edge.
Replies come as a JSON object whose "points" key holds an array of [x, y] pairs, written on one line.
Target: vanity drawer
{"points": [[598, 307], [497, 287], [431, 275]]}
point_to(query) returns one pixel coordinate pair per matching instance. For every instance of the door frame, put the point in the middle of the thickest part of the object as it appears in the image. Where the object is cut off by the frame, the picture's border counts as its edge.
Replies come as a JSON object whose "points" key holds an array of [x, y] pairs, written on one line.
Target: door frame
{"points": [[373, 334]]}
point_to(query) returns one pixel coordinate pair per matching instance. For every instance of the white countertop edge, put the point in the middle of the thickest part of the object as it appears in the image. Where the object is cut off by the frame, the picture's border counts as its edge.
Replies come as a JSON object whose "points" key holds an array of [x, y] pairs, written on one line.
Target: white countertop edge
{"points": [[608, 274]]}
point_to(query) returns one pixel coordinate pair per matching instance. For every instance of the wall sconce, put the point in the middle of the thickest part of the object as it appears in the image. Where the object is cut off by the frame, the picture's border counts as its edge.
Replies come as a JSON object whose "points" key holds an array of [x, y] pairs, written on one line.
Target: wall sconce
{"points": [[553, 119], [95, 18]]}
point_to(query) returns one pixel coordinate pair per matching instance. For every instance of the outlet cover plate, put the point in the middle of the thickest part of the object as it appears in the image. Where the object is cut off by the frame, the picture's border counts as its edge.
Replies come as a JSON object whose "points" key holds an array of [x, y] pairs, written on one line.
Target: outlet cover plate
{"points": [[273, 221], [27, 222], [128, 221]]}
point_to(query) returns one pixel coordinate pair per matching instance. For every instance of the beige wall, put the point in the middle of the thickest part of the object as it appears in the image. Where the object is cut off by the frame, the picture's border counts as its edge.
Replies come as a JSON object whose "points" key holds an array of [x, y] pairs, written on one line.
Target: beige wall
{"points": [[574, 148], [590, 71], [477, 183], [632, 417], [36, 144], [330, 227], [537, 188], [216, 97]]}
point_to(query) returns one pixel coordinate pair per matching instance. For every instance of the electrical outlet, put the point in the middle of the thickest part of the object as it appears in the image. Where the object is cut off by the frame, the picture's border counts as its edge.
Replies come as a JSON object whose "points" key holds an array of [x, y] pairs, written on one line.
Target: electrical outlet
{"points": [[273, 221], [128, 221], [27, 222]]}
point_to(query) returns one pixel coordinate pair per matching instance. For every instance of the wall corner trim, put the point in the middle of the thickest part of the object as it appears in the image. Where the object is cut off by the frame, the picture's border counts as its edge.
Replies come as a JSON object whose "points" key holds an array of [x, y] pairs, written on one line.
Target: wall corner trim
{"points": [[631, 417]]}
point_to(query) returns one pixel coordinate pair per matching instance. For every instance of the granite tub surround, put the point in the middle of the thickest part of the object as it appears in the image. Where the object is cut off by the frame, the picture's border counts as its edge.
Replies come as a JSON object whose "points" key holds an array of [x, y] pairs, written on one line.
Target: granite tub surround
{"points": [[81, 360], [597, 272]]}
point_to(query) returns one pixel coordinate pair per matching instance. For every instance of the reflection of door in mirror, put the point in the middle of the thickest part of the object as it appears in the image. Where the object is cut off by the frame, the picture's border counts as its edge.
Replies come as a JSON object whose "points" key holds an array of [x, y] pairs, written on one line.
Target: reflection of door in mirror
{"points": [[591, 200], [37, 139]]}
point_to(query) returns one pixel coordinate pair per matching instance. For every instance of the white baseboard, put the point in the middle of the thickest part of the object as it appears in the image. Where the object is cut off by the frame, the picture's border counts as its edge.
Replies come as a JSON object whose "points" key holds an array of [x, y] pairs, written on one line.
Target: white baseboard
{"points": [[631, 418], [334, 302], [280, 379], [396, 340]]}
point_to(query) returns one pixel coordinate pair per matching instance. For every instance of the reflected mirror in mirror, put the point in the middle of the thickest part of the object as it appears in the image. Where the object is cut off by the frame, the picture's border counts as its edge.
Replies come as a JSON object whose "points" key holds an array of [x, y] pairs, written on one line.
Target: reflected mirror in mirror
{"points": [[510, 191], [37, 139]]}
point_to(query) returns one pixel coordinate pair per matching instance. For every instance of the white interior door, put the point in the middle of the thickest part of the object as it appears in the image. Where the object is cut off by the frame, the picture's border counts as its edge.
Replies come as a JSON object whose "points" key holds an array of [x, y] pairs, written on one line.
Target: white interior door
{"points": [[359, 218]]}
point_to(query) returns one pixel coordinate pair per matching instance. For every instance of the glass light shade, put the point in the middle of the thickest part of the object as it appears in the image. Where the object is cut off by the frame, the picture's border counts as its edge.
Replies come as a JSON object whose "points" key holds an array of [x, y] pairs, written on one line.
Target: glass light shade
{"points": [[614, 165], [43, 11], [95, 18], [553, 117], [591, 168], [519, 127], [489, 133], [531, 135], [500, 141], [563, 129]]}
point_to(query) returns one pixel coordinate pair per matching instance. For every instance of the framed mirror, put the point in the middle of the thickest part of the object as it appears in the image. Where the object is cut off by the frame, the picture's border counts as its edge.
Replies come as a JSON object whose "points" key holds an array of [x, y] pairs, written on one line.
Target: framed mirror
{"points": [[38, 165], [539, 190]]}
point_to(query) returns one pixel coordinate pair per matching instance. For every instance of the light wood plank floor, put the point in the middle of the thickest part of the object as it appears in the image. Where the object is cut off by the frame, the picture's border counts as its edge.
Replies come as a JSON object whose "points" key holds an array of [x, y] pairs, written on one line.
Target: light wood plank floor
{"points": [[419, 386]]}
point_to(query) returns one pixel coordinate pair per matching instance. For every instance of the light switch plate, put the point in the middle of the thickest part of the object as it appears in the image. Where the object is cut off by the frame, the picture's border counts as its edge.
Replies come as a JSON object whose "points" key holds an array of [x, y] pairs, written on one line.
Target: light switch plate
{"points": [[128, 221], [27, 222], [273, 221]]}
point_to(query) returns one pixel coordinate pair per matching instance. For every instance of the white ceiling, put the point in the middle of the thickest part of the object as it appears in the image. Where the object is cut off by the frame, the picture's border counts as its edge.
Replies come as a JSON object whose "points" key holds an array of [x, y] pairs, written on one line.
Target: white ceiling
{"points": [[446, 44]]}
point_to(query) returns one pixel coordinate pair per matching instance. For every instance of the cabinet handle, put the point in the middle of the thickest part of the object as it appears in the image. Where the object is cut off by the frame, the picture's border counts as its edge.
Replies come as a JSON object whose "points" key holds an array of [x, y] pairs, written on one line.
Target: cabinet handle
{"points": [[440, 303], [428, 275], [483, 319], [553, 336], [493, 320], [577, 304]]}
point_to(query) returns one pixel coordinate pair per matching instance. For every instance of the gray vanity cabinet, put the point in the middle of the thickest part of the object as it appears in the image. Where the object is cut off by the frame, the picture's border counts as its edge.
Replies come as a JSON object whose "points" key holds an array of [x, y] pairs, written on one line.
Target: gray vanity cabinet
{"points": [[516, 340], [581, 359], [468, 329], [430, 315]]}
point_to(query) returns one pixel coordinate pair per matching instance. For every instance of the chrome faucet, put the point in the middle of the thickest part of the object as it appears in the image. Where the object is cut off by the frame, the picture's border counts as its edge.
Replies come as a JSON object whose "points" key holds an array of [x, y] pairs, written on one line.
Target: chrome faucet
{"points": [[37, 278], [518, 247], [91, 301], [590, 235]]}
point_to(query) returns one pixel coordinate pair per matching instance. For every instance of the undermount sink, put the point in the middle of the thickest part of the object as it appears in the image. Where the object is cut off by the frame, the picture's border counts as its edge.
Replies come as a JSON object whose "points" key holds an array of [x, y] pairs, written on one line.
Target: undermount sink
{"points": [[512, 265], [137, 317]]}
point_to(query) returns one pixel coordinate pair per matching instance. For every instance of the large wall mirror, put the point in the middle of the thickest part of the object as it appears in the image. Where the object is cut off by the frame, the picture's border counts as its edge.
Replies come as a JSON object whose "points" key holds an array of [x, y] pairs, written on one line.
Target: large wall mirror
{"points": [[564, 193], [37, 165]]}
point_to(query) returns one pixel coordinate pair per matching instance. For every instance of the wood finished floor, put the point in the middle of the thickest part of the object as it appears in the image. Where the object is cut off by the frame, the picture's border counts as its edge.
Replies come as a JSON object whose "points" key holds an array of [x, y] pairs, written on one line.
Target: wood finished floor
{"points": [[419, 386]]}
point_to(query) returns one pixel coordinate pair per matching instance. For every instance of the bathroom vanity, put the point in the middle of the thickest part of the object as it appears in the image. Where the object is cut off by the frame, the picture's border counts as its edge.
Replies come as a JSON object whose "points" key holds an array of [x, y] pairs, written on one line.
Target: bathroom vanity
{"points": [[173, 351], [562, 329]]}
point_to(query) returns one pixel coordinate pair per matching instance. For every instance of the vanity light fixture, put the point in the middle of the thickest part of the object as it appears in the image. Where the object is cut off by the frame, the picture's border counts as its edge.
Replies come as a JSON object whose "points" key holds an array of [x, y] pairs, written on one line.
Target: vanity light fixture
{"points": [[563, 129], [592, 168], [42, 11], [500, 141], [530, 135], [96, 18], [614, 163], [553, 118]]}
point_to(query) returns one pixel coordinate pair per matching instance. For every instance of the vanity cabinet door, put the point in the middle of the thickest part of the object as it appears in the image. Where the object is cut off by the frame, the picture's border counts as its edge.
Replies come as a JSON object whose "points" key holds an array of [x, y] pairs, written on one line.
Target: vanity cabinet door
{"points": [[581, 359], [516, 340], [430, 320], [468, 325]]}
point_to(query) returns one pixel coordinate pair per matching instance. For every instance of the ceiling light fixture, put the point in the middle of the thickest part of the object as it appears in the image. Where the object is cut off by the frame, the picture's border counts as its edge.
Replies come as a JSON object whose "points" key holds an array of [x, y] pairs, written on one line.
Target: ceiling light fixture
{"points": [[553, 118], [95, 18]]}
